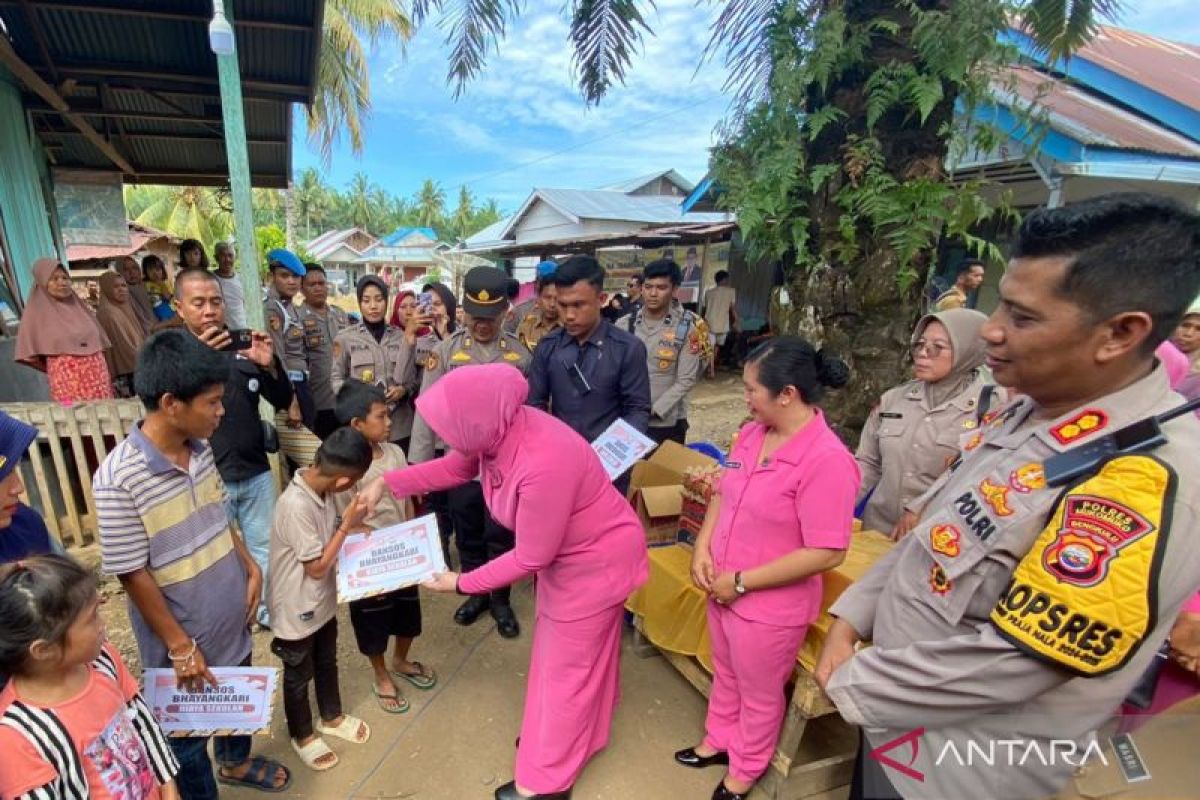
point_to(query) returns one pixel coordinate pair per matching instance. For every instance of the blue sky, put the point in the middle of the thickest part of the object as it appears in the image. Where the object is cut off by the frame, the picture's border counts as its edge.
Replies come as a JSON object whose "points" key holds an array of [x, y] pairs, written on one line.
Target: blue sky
{"points": [[523, 123]]}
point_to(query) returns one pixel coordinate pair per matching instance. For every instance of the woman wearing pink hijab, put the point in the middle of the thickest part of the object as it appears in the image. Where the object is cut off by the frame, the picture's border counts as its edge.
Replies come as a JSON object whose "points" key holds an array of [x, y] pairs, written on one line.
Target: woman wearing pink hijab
{"points": [[60, 336], [574, 531]]}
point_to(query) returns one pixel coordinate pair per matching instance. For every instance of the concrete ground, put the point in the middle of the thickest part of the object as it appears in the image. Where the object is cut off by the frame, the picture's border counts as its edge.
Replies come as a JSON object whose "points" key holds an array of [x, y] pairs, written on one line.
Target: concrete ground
{"points": [[456, 742]]}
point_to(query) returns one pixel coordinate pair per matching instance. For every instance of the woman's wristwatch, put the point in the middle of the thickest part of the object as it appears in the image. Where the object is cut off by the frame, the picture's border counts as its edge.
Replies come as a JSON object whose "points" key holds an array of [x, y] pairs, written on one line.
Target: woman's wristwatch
{"points": [[738, 586]]}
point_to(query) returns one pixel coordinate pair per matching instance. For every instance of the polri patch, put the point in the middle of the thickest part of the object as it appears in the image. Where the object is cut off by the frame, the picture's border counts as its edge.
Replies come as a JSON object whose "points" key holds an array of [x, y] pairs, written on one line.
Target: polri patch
{"points": [[945, 539], [1094, 532]]}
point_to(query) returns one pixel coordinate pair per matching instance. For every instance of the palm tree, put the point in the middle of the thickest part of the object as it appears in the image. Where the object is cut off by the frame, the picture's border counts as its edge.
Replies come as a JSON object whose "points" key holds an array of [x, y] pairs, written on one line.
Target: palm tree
{"points": [[834, 154], [343, 97], [463, 214], [431, 204], [311, 201], [189, 212], [358, 201]]}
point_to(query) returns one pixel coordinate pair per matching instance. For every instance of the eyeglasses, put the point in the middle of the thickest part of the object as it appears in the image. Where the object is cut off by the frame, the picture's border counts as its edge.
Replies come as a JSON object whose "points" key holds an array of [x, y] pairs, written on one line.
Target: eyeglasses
{"points": [[932, 349]]}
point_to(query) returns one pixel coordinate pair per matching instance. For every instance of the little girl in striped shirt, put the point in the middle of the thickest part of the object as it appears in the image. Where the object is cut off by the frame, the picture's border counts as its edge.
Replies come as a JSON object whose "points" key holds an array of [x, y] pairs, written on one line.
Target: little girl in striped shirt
{"points": [[73, 723]]}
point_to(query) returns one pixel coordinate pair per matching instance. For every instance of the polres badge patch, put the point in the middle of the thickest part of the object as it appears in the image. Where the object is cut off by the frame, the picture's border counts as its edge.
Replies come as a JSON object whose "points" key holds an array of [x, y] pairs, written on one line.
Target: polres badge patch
{"points": [[1094, 531]]}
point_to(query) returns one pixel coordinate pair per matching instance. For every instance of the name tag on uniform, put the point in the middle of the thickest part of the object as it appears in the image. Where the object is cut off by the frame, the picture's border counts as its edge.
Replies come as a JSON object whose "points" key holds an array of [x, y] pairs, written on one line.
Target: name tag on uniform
{"points": [[890, 415], [733, 465]]}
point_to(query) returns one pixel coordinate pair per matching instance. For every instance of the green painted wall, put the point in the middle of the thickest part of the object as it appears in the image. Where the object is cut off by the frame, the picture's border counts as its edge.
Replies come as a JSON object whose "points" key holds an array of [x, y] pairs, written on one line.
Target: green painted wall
{"points": [[24, 212]]}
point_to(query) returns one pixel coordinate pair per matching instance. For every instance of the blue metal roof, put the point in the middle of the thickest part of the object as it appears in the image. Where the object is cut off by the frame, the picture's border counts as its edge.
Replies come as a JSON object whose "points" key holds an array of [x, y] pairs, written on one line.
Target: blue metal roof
{"points": [[400, 234]]}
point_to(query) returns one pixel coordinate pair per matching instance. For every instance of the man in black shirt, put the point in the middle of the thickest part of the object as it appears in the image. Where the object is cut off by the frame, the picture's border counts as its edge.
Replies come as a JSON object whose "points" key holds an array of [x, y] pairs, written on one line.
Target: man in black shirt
{"points": [[589, 372], [239, 445]]}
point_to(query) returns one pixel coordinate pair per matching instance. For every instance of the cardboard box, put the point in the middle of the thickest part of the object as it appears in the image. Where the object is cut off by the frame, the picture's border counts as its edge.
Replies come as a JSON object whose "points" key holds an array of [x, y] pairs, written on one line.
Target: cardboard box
{"points": [[656, 490]]}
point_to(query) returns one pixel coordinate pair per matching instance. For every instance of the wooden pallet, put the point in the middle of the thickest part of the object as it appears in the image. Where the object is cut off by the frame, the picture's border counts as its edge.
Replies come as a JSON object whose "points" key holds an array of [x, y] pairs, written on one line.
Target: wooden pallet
{"points": [[816, 749]]}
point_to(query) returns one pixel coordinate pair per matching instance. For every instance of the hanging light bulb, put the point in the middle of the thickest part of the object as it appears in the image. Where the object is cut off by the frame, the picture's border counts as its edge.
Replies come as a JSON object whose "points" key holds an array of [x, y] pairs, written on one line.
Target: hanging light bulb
{"points": [[220, 32]]}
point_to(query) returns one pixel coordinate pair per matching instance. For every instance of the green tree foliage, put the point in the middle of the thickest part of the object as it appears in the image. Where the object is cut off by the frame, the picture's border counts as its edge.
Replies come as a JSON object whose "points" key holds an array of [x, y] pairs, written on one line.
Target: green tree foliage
{"points": [[343, 98], [320, 207], [189, 212]]}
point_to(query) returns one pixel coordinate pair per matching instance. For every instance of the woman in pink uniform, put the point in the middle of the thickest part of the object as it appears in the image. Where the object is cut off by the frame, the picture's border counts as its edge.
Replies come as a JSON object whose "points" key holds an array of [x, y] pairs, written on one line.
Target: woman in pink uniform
{"points": [[781, 516], [574, 531]]}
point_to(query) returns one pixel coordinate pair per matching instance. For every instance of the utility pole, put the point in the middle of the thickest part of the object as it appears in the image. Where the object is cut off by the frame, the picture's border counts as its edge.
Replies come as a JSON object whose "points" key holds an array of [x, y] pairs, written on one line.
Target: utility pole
{"points": [[224, 45]]}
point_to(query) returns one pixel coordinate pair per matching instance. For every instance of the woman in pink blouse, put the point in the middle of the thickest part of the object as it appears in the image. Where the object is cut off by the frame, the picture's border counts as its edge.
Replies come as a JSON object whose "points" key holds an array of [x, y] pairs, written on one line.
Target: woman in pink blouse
{"points": [[781, 516], [574, 531]]}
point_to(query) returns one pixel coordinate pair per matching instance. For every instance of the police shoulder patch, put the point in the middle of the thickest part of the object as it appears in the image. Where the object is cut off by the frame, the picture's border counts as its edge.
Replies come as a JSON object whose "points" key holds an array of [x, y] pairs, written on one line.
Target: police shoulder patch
{"points": [[275, 322], [432, 361], [1084, 595]]}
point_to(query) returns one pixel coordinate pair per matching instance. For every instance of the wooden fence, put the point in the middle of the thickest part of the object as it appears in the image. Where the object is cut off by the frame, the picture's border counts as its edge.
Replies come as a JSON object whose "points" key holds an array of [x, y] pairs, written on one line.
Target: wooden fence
{"points": [[72, 442]]}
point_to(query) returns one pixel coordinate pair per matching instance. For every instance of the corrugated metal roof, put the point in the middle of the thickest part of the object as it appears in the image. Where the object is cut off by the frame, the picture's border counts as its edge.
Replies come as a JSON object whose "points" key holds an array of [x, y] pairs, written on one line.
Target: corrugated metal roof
{"points": [[143, 76], [1169, 68], [612, 205], [400, 234], [637, 183], [1093, 121], [330, 241]]}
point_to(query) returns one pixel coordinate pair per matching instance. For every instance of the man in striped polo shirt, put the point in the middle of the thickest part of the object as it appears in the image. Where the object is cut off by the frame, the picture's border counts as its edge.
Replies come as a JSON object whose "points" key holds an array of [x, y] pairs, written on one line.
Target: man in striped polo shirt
{"points": [[193, 587]]}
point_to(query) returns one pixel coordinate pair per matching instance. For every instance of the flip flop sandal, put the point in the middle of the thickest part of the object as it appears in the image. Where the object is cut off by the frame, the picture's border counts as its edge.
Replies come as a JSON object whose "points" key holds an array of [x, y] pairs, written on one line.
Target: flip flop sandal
{"points": [[351, 729], [425, 679], [260, 776], [401, 701], [313, 751]]}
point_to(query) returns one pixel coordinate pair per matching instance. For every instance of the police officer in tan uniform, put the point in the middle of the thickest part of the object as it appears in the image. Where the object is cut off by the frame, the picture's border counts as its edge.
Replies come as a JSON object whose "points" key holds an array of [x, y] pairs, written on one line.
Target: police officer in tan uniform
{"points": [[322, 323], [913, 434], [677, 348], [543, 317], [1026, 603], [481, 341], [373, 352], [287, 333]]}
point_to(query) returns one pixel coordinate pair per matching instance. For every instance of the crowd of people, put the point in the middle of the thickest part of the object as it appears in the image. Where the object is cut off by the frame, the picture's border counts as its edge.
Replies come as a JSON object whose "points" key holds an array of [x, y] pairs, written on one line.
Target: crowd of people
{"points": [[1030, 588]]}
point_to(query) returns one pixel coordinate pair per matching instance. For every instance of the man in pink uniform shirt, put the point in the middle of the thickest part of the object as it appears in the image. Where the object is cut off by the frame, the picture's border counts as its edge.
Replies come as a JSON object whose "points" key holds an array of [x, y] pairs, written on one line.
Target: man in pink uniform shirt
{"points": [[573, 530]]}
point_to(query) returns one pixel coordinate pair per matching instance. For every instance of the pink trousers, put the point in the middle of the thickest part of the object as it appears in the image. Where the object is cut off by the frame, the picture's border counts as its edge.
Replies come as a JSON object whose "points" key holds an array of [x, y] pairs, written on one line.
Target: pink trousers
{"points": [[573, 689], [752, 662]]}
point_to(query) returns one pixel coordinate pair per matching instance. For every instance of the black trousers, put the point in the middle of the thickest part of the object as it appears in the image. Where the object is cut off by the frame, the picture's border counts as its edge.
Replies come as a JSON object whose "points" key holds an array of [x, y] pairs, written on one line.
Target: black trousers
{"points": [[673, 433], [376, 619], [480, 538], [312, 659]]}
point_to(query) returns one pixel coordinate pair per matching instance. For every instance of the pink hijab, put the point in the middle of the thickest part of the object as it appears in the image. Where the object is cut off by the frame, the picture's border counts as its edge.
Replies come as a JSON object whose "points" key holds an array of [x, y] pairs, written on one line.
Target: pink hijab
{"points": [[1176, 363], [51, 327], [473, 409]]}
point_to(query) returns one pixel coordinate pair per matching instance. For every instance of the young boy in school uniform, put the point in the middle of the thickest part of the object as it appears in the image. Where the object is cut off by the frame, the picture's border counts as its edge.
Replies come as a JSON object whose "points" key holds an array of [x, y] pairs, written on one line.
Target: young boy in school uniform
{"points": [[306, 535]]}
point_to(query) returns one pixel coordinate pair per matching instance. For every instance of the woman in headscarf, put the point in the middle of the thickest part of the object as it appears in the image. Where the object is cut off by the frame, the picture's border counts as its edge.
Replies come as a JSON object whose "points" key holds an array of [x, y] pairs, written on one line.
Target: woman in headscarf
{"points": [[139, 298], [422, 332], [120, 322], [574, 532], [371, 352], [406, 301], [915, 432], [60, 336]]}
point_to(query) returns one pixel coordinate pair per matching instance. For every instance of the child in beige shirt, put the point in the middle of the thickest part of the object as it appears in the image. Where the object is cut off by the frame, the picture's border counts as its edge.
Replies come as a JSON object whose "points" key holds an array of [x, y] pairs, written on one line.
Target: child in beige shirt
{"points": [[397, 613]]}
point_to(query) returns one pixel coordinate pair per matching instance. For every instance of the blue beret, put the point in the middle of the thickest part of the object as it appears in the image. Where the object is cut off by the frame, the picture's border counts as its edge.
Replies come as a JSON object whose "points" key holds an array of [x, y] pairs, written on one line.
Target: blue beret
{"points": [[546, 269], [286, 259]]}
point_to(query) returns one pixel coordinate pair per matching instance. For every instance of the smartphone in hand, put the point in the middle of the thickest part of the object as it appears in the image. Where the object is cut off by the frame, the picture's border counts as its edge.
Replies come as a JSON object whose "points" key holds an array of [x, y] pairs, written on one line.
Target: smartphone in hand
{"points": [[239, 339]]}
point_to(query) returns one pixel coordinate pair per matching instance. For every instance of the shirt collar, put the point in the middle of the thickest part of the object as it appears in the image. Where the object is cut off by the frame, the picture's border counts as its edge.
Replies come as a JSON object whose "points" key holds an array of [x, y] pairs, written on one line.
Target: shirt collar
{"points": [[298, 481], [794, 448], [1088, 422], [155, 460]]}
